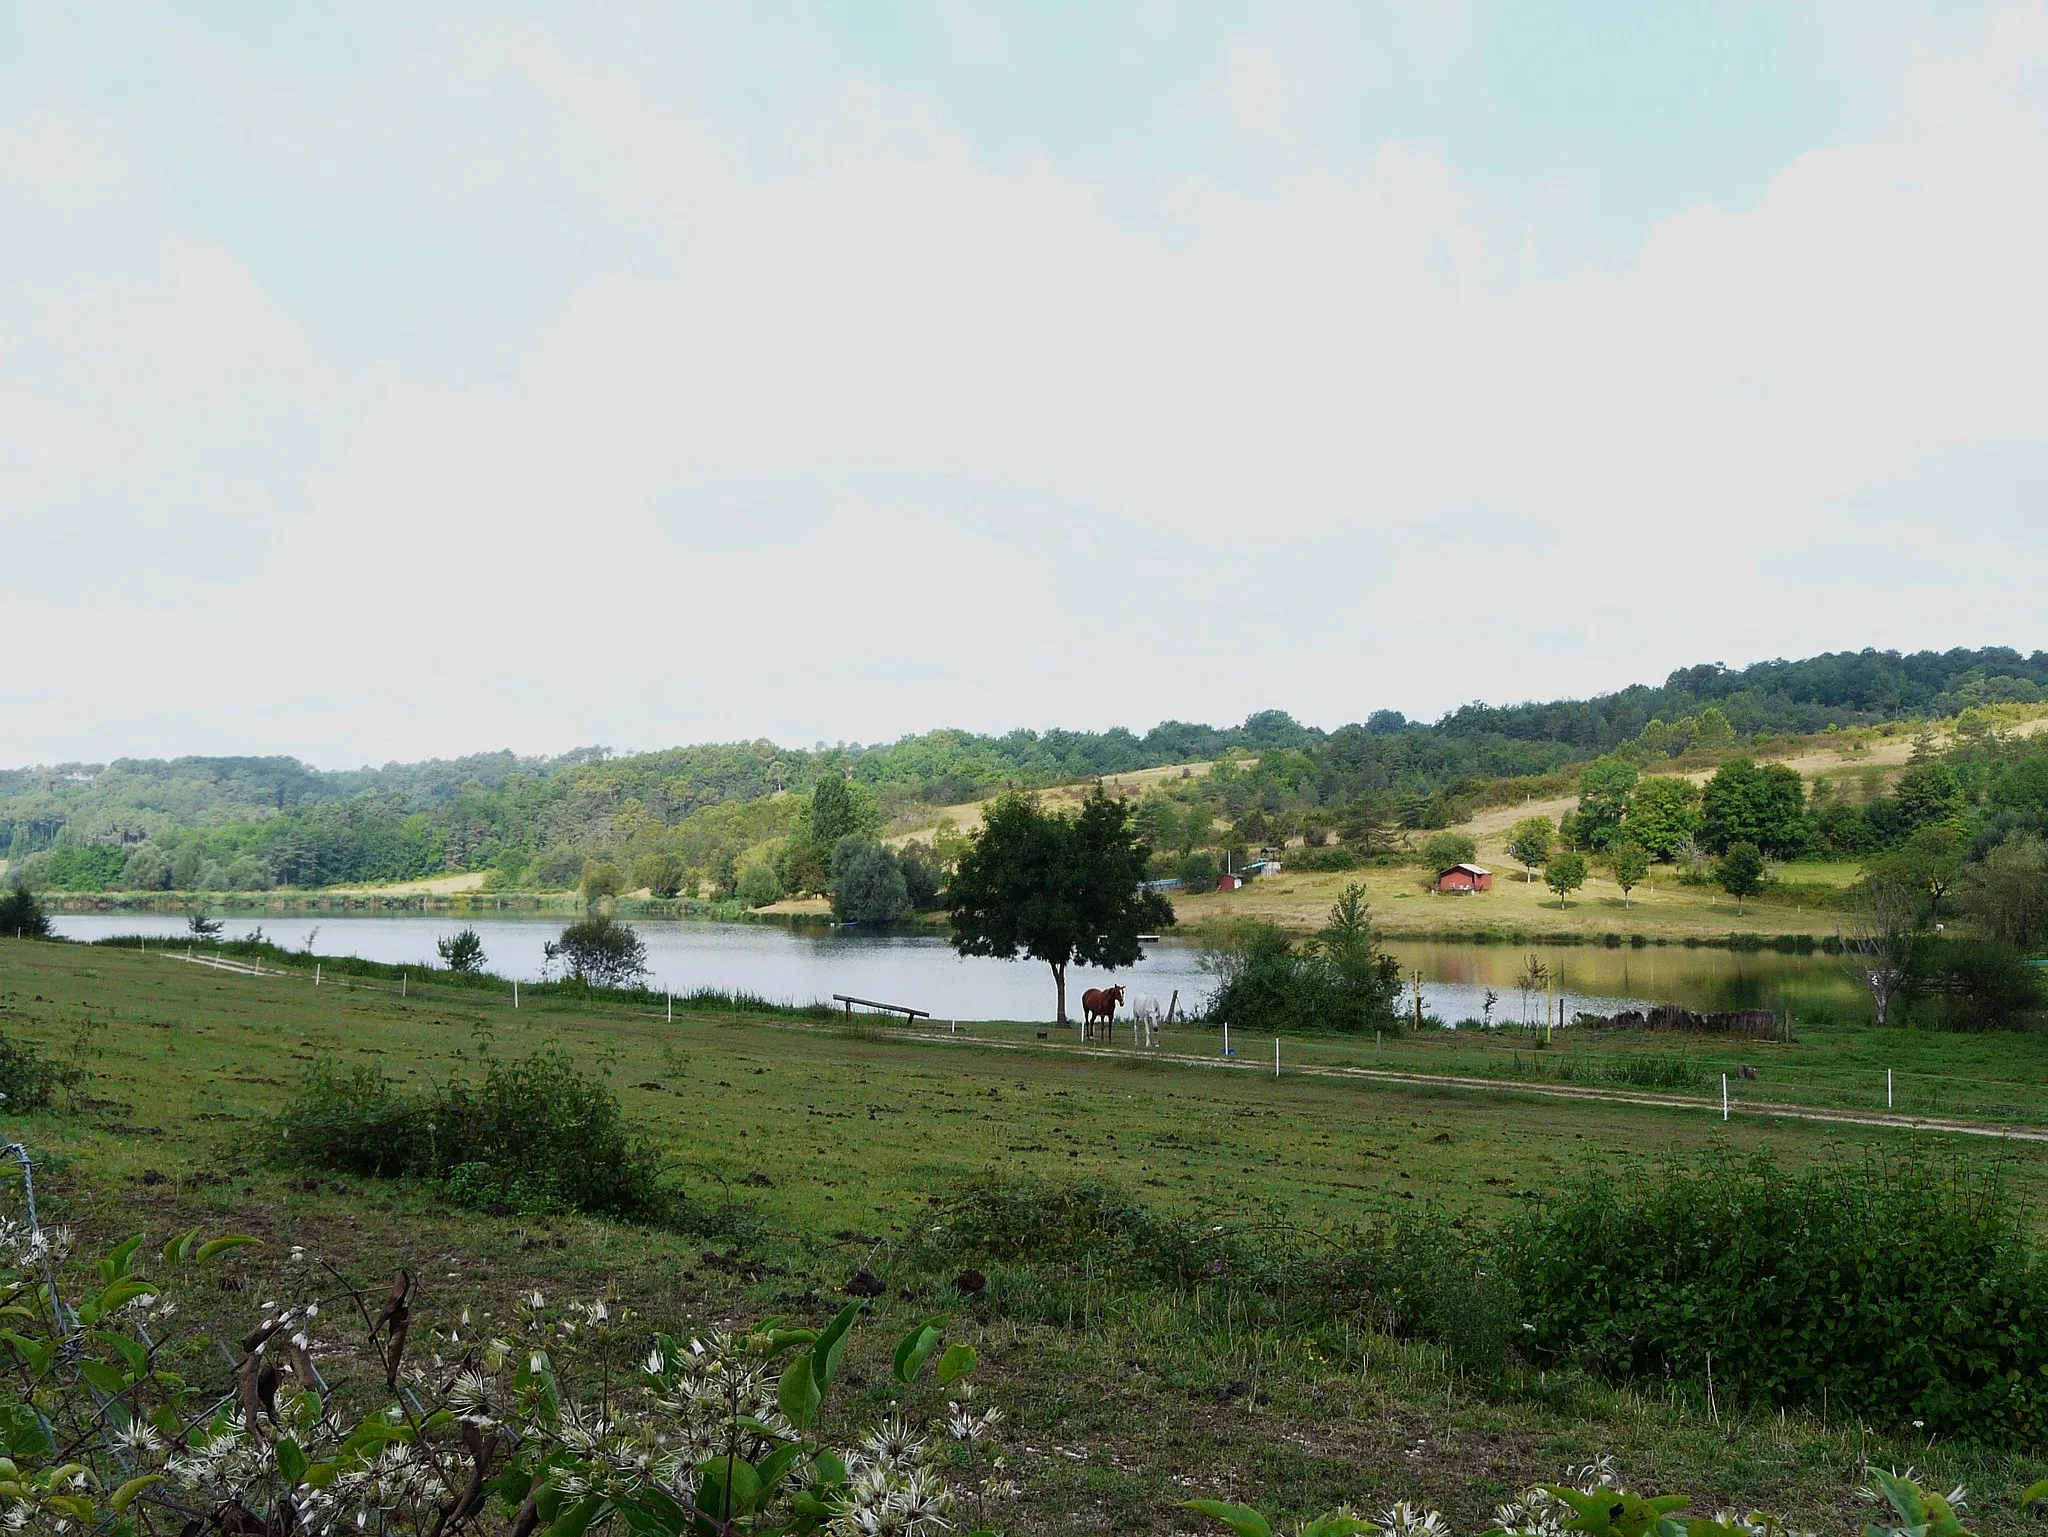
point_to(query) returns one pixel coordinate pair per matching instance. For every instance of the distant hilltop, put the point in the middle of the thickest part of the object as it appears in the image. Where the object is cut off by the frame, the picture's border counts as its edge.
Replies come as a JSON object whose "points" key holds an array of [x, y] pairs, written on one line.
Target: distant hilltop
{"points": [[255, 823]]}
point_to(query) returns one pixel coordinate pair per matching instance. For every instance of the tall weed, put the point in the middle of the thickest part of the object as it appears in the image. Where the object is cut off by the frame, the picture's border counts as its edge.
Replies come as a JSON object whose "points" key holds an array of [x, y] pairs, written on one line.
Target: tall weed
{"points": [[1061, 1249]]}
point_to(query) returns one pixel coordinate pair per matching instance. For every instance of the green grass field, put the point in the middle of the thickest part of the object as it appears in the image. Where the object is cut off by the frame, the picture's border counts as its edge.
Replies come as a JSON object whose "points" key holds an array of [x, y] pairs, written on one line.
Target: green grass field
{"points": [[839, 1138]]}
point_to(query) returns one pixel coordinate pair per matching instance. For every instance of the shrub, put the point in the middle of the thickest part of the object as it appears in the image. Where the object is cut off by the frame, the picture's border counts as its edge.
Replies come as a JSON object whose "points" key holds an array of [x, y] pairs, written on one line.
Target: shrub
{"points": [[22, 916], [1198, 871], [662, 874], [148, 869], [1974, 984], [1265, 981], [601, 879], [533, 1135], [462, 951], [1903, 1291], [1442, 850], [600, 951], [758, 884], [1325, 858], [867, 883], [27, 1080], [924, 876]]}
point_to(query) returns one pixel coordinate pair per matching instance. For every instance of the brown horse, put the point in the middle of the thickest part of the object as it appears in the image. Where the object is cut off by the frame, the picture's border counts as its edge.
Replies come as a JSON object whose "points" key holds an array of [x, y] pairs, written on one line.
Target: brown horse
{"points": [[1100, 1003]]}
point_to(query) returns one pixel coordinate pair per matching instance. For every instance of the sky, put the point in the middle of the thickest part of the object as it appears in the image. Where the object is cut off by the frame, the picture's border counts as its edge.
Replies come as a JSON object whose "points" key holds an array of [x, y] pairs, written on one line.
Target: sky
{"points": [[390, 381]]}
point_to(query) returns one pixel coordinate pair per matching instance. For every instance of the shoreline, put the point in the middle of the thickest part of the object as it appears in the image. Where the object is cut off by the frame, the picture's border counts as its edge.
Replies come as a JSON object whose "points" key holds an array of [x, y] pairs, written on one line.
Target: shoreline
{"points": [[695, 910]]}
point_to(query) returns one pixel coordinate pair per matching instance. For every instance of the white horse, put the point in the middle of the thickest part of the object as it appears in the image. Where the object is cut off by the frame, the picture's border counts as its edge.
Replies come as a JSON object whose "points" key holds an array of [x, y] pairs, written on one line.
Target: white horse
{"points": [[1144, 1019]]}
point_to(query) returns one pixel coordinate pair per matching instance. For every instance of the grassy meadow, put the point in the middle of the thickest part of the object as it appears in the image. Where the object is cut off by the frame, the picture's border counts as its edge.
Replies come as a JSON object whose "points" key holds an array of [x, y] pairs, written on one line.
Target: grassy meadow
{"points": [[832, 1143]]}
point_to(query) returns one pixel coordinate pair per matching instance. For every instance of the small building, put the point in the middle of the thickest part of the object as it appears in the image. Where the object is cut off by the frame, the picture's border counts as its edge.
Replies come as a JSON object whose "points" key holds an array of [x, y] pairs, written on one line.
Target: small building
{"points": [[1464, 878], [1262, 867], [1229, 882]]}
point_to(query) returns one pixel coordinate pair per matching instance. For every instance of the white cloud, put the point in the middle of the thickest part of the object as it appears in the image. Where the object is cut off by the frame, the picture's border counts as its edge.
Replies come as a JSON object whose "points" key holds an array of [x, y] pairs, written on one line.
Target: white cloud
{"points": [[868, 434]]}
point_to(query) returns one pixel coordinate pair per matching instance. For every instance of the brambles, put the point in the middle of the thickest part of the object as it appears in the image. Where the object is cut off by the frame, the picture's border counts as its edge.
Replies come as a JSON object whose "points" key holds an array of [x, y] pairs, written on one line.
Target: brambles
{"points": [[1903, 1291]]}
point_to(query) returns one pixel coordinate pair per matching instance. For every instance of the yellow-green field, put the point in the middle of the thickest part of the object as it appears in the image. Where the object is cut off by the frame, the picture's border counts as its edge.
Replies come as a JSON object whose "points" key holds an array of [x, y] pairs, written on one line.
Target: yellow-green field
{"points": [[840, 1137]]}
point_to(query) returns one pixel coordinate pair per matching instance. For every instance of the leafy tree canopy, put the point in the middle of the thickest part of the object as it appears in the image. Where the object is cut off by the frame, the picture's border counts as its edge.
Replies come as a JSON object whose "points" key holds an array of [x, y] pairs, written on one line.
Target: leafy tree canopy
{"points": [[1060, 889]]}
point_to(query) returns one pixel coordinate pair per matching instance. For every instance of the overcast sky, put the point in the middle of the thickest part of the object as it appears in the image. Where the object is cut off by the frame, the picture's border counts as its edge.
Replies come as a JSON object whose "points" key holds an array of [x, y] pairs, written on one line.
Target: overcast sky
{"points": [[383, 381]]}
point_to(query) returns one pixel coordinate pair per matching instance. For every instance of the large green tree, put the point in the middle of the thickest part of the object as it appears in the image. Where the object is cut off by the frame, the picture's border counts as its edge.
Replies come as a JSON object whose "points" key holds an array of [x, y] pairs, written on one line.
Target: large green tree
{"points": [[1605, 787], [1058, 888], [867, 882], [1531, 842], [1565, 874], [1631, 862], [1741, 872], [1745, 803], [1663, 813]]}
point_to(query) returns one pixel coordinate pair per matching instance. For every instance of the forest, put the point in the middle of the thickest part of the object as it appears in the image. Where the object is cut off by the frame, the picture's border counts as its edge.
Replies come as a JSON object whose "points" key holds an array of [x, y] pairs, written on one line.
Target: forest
{"points": [[669, 819]]}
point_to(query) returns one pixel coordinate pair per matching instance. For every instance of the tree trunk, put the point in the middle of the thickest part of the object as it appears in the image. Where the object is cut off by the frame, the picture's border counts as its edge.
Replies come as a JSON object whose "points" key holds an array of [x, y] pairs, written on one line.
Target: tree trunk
{"points": [[1059, 977]]}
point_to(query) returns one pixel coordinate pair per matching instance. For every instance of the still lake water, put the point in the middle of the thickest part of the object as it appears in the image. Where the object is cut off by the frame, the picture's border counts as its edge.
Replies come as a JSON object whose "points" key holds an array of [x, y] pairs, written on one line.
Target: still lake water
{"points": [[921, 970]]}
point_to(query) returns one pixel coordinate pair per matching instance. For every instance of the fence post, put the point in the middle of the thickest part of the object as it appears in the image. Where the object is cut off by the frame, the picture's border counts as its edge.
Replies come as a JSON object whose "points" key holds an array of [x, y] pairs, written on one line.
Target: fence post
{"points": [[1226, 1037], [1888, 1088], [1724, 1096], [671, 1008], [515, 992], [316, 973], [1276, 1056], [404, 981]]}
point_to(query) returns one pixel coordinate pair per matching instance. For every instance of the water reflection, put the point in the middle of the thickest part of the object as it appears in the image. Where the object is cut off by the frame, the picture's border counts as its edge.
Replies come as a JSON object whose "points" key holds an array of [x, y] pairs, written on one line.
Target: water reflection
{"points": [[921, 970]]}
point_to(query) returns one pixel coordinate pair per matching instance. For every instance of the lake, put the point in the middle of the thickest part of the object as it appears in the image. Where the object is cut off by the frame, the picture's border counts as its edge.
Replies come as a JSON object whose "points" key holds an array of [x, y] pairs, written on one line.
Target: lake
{"points": [[920, 970]]}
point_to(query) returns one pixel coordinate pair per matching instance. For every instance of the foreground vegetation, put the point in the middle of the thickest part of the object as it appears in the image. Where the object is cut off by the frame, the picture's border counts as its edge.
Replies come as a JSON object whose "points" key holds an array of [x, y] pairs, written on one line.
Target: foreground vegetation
{"points": [[812, 1157]]}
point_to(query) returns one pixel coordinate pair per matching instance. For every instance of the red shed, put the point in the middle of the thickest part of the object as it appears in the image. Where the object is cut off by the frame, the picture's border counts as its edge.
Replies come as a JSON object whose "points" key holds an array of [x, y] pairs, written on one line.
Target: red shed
{"points": [[1464, 878], [1229, 882]]}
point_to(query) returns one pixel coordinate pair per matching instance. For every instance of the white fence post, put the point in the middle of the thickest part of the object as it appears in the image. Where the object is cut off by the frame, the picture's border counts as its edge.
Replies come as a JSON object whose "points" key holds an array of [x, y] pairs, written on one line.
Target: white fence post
{"points": [[1887, 1088], [1724, 1096], [1276, 1056]]}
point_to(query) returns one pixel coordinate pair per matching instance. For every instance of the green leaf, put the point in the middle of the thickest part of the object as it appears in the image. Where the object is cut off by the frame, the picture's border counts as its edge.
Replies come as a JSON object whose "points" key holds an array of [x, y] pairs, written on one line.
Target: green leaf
{"points": [[133, 1353], [573, 1521], [1241, 1519], [125, 1495], [213, 1248], [916, 1348], [1335, 1525], [291, 1460], [729, 1487], [956, 1363], [775, 1467], [780, 1340], [830, 1349], [828, 1471], [121, 1293], [104, 1377], [2034, 1492], [179, 1249], [799, 1396], [115, 1265]]}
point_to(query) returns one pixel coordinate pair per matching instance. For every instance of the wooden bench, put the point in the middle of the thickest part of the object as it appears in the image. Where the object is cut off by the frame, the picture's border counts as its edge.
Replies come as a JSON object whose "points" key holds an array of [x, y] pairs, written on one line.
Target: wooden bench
{"points": [[913, 1015]]}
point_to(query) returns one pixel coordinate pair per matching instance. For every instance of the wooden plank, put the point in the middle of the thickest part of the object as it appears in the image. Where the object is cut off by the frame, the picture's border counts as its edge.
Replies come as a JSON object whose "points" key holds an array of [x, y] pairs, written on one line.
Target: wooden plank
{"points": [[892, 1008]]}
